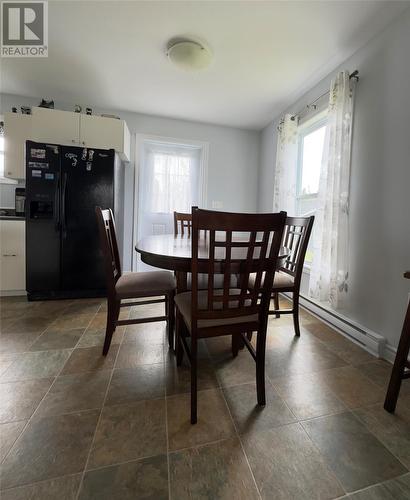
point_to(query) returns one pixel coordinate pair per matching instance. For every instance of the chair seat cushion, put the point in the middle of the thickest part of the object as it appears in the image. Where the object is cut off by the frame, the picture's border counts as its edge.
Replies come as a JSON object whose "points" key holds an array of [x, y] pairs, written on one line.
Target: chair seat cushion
{"points": [[183, 302], [133, 285], [282, 280]]}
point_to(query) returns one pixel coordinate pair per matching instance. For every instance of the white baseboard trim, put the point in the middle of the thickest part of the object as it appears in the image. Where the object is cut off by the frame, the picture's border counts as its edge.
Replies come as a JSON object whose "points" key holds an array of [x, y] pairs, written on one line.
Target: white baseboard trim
{"points": [[367, 339], [12, 293]]}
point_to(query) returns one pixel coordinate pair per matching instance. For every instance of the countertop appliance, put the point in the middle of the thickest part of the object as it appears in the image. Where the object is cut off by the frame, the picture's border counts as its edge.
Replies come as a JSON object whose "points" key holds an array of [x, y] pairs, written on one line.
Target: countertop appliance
{"points": [[63, 186], [20, 199]]}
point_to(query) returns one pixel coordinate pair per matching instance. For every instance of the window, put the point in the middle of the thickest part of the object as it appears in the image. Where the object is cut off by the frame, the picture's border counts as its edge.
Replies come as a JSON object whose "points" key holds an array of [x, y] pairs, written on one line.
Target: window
{"points": [[310, 152], [171, 178], [171, 188]]}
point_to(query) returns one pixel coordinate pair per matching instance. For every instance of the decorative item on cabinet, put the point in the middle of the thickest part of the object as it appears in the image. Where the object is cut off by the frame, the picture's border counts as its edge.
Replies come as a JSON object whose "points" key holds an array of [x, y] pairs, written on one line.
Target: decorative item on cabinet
{"points": [[88, 111], [115, 117], [77, 108], [25, 110], [46, 104], [14, 109]]}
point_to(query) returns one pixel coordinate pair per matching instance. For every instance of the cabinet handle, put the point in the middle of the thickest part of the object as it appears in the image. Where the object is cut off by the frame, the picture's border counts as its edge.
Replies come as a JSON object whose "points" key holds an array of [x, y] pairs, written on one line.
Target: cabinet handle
{"points": [[73, 141], [9, 255], [83, 143]]}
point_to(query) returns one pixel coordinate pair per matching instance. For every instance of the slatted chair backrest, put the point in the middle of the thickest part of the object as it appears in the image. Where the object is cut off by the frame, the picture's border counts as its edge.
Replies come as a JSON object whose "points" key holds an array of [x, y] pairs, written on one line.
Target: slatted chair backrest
{"points": [[109, 247], [296, 238], [181, 222], [238, 245]]}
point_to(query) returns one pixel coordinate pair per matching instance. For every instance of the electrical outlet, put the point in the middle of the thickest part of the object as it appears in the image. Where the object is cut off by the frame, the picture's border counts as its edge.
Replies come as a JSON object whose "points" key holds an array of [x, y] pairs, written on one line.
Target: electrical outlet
{"points": [[217, 204]]}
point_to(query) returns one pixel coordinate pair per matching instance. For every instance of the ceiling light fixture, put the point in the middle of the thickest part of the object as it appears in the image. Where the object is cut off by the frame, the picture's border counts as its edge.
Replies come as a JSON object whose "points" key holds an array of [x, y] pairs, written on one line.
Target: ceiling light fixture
{"points": [[188, 54]]}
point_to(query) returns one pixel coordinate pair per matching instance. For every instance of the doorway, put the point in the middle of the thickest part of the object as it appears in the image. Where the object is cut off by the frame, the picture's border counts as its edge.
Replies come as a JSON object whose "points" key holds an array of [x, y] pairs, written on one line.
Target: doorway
{"points": [[171, 176]]}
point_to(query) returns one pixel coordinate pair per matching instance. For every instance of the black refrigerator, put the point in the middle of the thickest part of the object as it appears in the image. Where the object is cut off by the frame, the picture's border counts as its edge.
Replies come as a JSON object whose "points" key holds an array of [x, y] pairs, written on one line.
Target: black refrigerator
{"points": [[64, 184]]}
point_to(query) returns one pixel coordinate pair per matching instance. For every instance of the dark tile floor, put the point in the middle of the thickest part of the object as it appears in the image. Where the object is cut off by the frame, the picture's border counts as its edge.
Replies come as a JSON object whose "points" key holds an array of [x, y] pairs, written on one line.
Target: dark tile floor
{"points": [[75, 425]]}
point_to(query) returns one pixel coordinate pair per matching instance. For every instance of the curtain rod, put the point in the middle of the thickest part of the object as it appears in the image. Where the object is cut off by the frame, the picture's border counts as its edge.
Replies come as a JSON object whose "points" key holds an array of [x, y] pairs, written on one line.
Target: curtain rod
{"points": [[354, 75]]}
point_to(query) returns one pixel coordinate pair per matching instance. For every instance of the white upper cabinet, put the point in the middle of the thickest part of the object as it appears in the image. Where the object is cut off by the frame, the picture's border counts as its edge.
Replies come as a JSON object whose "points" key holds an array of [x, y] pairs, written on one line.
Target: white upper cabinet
{"points": [[17, 129], [105, 133], [60, 127], [55, 126]]}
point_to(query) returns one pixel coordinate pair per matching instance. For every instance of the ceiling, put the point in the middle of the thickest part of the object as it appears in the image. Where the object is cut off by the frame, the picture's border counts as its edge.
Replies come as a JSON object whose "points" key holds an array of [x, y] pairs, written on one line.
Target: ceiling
{"points": [[111, 54]]}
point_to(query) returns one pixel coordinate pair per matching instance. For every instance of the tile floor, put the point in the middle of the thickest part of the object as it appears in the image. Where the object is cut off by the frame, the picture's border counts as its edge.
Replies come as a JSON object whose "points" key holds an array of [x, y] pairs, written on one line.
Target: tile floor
{"points": [[76, 425]]}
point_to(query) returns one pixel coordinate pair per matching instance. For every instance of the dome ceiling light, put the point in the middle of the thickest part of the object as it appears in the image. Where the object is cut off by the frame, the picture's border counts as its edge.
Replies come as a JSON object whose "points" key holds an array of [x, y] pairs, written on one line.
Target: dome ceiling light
{"points": [[188, 54]]}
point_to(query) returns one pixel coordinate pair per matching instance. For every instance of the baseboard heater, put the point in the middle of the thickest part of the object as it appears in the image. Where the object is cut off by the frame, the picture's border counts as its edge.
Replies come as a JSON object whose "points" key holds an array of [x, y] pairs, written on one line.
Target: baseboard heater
{"points": [[369, 340]]}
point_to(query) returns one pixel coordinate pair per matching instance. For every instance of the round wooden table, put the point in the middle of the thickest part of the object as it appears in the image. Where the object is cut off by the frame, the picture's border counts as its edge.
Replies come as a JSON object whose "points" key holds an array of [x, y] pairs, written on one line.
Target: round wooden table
{"points": [[167, 251]]}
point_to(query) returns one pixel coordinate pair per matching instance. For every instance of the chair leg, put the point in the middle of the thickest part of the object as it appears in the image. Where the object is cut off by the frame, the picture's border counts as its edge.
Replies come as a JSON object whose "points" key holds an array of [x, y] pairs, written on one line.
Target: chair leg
{"points": [[260, 366], [235, 345], [194, 394], [178, 342], [276, 303], [399, 367], [112, 317], [295, 305], [170, 312]]}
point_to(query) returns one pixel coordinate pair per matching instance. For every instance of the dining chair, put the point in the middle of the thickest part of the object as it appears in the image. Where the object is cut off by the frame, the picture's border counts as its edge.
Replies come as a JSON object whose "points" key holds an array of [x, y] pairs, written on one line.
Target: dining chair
{"points": [[181, 222], [296, 237], [401, 366], [229, 311], [131, 285]]}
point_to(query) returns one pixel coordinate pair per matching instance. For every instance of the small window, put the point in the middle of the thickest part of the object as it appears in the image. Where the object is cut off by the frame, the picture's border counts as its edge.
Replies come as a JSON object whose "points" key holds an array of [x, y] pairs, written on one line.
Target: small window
{"points": [[311, 145]]}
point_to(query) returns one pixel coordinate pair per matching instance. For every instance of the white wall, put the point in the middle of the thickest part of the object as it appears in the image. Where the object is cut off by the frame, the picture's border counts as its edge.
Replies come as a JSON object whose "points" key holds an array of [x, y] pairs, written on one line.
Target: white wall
{"points": [[380, 179], [233, 157]]}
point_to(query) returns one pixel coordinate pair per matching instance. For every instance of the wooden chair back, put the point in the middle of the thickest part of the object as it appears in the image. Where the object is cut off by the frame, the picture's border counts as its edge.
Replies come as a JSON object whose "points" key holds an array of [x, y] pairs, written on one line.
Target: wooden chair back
{"points": [[109, 247], [296, 237], [184, 221], [253, 248]]}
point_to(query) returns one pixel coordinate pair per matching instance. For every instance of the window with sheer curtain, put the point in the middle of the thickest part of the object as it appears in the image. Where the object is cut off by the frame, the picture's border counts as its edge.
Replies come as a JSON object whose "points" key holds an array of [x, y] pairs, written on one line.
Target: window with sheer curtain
{"points": [[171, 183]]}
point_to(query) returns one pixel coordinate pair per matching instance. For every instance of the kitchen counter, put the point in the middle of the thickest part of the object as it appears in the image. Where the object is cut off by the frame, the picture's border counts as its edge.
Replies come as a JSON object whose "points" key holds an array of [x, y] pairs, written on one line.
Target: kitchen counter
{"points": [[10, 214]]}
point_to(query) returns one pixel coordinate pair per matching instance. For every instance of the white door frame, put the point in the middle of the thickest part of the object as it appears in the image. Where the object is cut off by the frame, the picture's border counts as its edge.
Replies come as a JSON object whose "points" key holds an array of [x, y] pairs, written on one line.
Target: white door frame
{"points": [[203, 176]]}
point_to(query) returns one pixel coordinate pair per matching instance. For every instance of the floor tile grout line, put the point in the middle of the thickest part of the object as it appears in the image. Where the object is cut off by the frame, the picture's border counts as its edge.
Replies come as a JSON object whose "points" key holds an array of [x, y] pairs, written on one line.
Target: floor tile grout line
{"points": [[96, 427], [380, 483], [377, 438], [166, 429], [35, 411], [241, 444], [38, 482], [322, 457]]}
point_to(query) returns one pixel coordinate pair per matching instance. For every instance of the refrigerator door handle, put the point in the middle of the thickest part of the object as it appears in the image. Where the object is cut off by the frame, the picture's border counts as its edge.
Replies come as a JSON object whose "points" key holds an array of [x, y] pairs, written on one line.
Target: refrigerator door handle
{"points": [[57, 220], [63, 207]]}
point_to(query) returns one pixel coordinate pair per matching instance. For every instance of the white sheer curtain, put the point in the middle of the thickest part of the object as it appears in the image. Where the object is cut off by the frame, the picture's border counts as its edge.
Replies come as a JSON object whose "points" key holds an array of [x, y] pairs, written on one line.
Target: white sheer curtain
{"points": [[168, 181], [329, 277], [171, 178], [284, 195]]}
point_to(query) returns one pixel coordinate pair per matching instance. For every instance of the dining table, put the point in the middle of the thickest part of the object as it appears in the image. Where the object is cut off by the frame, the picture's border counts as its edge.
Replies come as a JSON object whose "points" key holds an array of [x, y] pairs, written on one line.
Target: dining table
{"points": [[174, 252]]}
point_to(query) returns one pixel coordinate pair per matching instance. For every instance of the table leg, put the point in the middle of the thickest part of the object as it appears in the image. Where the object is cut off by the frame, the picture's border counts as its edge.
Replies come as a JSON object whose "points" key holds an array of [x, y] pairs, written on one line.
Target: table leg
{"points": [[182, 285]]}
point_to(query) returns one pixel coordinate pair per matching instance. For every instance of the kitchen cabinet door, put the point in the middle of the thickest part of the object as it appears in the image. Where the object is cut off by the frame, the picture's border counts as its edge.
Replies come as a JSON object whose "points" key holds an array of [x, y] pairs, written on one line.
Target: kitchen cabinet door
{"points": [[100, 132], [12, 255], [17, 130], [56, 127]]}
